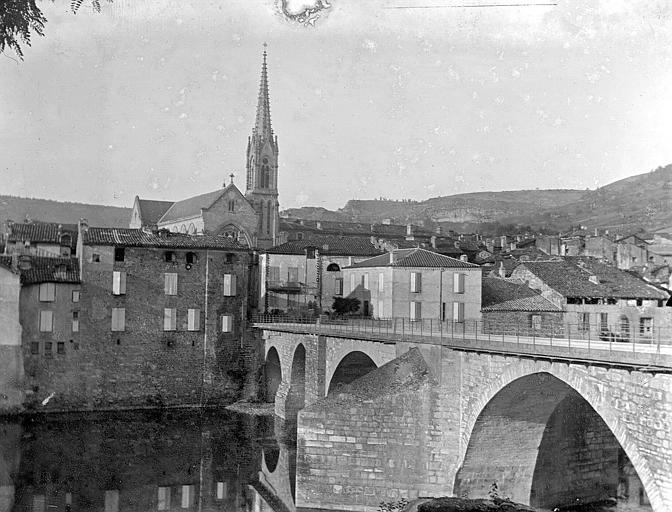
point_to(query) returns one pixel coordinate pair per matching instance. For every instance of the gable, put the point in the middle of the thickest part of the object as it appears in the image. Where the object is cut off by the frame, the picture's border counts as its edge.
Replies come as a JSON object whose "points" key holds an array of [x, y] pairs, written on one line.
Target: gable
{"points": [[231, 193]]}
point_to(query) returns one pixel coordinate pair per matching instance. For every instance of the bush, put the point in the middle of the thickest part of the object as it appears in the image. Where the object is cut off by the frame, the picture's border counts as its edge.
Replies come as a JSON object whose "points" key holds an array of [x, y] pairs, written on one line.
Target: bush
{"points": [[345, 305]]}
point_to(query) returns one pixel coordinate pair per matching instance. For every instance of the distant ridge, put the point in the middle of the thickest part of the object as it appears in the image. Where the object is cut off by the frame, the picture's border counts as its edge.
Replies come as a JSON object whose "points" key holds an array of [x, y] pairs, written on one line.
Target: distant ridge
{"points": [[47, 210]]}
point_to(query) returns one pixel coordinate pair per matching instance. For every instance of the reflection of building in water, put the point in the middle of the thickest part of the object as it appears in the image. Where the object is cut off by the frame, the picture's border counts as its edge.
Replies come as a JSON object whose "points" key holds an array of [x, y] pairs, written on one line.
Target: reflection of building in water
{"points": [[136, 462], [10, 455]]}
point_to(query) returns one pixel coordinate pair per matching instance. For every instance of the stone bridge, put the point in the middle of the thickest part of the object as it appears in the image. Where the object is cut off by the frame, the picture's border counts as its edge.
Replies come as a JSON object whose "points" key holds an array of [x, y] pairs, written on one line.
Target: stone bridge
{"points": [[381, 419]]}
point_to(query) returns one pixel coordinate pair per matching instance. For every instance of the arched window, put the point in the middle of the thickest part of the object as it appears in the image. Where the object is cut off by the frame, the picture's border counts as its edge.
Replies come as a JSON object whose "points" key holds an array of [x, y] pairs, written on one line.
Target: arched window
{"points": [[333, 267], [183, 229], [269, 210], [265, 178]]}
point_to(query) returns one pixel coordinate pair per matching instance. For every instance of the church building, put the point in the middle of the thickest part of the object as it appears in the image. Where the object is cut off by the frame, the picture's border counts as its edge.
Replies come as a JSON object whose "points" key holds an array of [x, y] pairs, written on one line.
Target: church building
{"points": [[251, 218]]}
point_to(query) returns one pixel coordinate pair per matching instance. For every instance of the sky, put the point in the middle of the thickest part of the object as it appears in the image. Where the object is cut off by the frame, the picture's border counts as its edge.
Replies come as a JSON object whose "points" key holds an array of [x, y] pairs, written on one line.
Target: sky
{"points": [[156, 98]]}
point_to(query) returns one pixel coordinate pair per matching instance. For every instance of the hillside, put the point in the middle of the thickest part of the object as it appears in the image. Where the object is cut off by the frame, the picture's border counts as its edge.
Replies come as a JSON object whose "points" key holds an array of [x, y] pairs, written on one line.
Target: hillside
{"points": [[638, 202], [18, 208]]}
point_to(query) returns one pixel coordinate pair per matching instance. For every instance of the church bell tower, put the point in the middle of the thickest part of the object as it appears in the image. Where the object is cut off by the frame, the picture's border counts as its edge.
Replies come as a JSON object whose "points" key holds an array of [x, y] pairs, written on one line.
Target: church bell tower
{"points": [[262, 167]]}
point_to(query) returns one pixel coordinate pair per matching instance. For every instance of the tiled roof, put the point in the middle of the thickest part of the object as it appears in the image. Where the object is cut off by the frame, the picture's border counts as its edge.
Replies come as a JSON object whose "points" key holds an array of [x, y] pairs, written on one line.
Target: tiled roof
{"points": [[191, 207], [6, 261], [42, 232], [51, 270], [151, 211], [502, 295], [128, 237], [414, 258], [351, 228], [329, 244], [571, 278]]}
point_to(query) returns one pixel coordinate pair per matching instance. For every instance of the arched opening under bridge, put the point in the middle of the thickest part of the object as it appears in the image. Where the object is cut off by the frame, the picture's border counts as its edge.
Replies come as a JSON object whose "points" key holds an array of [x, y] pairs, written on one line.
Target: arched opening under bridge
{"points": [[273, 371], [351, 367]]}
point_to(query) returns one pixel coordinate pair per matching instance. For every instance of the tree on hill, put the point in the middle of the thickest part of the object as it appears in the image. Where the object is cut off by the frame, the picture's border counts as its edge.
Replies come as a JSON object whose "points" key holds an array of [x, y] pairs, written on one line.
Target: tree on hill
{"points": [[20, 19]]}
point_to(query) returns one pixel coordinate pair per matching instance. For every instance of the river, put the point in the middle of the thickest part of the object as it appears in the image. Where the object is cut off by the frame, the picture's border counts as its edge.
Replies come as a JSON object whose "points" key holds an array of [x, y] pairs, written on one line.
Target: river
{"points": [[150, 461]]}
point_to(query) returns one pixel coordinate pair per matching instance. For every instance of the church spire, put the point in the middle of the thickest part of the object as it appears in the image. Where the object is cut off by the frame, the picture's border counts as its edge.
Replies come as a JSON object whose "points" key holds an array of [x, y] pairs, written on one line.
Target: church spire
{"points": [[262, 125]]}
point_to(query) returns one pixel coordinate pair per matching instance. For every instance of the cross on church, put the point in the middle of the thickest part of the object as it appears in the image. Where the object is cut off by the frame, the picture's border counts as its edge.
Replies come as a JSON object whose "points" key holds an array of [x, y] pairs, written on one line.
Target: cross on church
{"points": [[232, 176]]}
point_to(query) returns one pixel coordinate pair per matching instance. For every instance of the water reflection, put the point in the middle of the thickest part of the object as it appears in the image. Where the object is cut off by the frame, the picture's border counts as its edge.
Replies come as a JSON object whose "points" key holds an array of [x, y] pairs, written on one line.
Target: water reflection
{"points": [[143, 461], [176, 461]]}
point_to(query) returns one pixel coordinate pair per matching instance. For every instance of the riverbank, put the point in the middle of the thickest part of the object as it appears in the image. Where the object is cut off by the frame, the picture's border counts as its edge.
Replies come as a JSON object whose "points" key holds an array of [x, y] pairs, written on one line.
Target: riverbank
{"points": [[252, 408]]}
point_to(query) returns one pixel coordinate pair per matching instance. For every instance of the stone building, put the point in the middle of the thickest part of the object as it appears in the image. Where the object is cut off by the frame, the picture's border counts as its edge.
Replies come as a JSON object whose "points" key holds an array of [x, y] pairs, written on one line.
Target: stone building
{"points": [[11, 356], [416, 284], [303, 274], [251, 218], [600, 300], [40, 238]]}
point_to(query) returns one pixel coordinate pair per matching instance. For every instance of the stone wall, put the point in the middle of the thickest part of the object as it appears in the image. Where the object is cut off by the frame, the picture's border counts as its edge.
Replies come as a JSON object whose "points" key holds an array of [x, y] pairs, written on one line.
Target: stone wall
{"points": [[12, 390]]}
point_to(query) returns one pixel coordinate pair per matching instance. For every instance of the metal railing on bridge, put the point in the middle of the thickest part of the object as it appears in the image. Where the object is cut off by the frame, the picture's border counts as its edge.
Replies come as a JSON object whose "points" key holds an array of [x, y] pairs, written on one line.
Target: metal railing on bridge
{"points": [[649, 348]]}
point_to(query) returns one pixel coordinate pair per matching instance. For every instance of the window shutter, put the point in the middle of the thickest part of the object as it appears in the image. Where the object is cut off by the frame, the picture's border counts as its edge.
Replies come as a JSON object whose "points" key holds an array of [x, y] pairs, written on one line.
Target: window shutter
{"points": [[416, 310], [339, 286], [458, 311], [118, 319], [46, 321], [274, 274], [458, 283], [169, 319], [352, 283], [118, 282], [227, 323], [416, 282], [47, 292], [194, 320], [381, 282], [229, 285], [170, 283], [366, 281]]}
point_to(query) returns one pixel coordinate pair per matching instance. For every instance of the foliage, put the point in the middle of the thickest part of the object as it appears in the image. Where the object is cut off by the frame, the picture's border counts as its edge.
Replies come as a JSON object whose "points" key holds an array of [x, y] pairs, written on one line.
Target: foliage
{"points": [[493, 493], [393, 506], [345, 305], [19, 19]]}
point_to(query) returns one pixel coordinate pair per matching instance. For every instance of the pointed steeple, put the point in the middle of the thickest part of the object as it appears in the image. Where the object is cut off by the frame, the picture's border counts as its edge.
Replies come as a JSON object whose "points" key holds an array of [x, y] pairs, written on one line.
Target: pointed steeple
{"points": [[262, 125]]}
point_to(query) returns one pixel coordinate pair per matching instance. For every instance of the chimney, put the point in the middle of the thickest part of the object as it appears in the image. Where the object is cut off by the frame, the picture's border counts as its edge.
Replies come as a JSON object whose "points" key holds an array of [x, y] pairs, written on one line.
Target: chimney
{"points": [[432, 241], [351, 261], [438, 230], [463, 257], [391, 257], [409, 229], [501, 271], [25, 262], [83, 225]]}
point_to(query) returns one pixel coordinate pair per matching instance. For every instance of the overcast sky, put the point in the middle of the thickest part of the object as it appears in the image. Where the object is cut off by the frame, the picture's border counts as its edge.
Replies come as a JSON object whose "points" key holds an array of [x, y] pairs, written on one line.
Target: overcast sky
{"points": [[157, 99]]}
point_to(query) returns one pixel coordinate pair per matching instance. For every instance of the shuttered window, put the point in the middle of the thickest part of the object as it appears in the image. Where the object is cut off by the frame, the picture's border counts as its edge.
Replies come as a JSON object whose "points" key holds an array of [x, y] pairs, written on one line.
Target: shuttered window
{"points": [[352, 283], [458, 311], [169, 319], [273, 274], [170, 283], [229, 285], [293, 274], [47, 292], [365, 280], [118, 283], [194, 320], [416, 282], [118, 319], [75, 321], [458, 282], [339, 286], [416, 310], [46, 321], [164, 498], [227, 323], [381, 282]]}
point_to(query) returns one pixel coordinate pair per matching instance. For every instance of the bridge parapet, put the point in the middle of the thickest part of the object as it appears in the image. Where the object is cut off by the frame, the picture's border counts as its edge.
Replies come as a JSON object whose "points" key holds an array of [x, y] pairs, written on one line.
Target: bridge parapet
{"points": [[652, 353]]}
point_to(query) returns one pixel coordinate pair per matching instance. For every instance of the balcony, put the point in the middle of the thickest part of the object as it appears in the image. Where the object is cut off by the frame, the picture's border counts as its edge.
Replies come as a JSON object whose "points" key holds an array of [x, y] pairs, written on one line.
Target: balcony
{"points": [[284, 286]]}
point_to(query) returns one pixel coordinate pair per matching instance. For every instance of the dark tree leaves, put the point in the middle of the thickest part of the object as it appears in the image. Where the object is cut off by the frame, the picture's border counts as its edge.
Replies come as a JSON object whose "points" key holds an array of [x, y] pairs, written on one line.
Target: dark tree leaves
{"points": [[20, 18]]}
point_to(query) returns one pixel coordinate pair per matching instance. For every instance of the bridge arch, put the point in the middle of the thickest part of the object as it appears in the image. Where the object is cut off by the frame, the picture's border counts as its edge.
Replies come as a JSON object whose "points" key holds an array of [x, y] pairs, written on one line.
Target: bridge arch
{"points": [[514, 422], [273, 370], [296, 396], [352, 366]]}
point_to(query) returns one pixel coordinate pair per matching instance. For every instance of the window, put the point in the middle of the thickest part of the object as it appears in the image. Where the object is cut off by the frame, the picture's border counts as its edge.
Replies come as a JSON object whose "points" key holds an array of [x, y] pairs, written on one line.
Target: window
{"points": [[47, 292], [339, 286], [60, 347], [365, 280], [35, 348], [188, 496], [48, 349], [227, 323], [75, 321], [443, 311], [458, 282], [170, 283], [193, 320], [416, 282], [191, 258], [95, 258], [310, 253], [230, 257], [381, 282], [169, 319], [75, 295], [646, 326], [221, 490], [535, 322], [293, 274], [333, 267], [46, 321], [118, 283], [416, 310], [273, 274], [169, 256], [604, 322], [164, 498], [458, 312], [119, 253], [118, 319], [584, 322], [232, 205], [112, 501], [299, 236], [229, 285]]}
